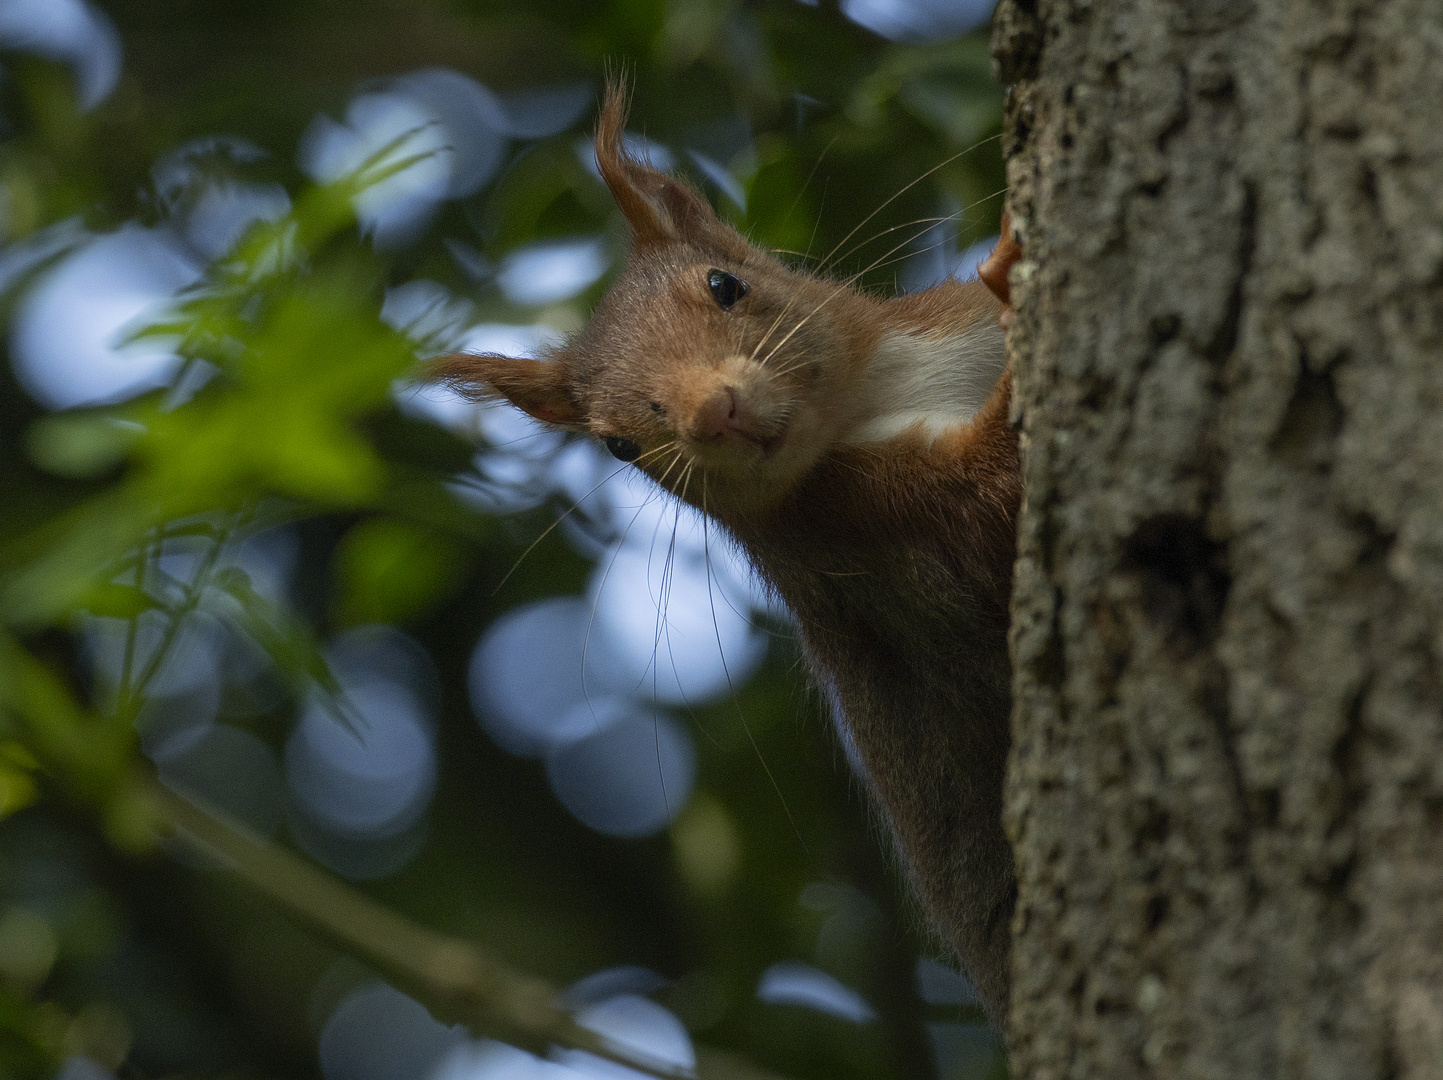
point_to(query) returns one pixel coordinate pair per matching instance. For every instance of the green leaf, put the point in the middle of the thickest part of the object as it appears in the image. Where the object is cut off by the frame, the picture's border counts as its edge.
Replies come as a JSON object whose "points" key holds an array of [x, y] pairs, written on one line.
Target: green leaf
{"points": [[778, 211], [389, 571], [92, 758], [287, 640], [57, 564], [317, 359], [947, 86], [116, 601], [80, 445]]}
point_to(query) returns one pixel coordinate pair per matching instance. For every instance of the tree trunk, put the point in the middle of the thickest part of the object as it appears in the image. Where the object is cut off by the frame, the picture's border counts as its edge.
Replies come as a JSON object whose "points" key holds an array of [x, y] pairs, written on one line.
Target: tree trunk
{"points": [[1226, 788]]}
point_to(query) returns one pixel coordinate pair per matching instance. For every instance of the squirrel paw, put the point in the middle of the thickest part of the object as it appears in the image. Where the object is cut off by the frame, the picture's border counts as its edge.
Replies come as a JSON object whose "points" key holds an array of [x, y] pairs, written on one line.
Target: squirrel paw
{"points": [[994, 268]]}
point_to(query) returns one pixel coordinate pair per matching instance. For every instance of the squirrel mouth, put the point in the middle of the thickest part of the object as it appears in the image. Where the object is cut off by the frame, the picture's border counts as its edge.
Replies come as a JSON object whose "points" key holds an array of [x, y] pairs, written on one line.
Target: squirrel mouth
{"points": [[769, 444], [727, 420], [738, 446], [767, 434], [766, 439]]}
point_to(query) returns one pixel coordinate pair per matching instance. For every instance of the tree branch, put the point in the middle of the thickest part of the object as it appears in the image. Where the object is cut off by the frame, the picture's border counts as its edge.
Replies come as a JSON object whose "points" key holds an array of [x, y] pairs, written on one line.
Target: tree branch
{"points": [[453, 978]]}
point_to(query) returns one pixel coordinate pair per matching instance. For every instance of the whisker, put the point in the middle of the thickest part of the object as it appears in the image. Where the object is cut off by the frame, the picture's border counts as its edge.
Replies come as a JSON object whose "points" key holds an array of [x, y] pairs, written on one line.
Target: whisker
{"points": [[845, 285], [664, 602], [772, 329], [691, 712], [591, 619], [686, 479], [567, 513], [808, 318], [518, 439], [716, 629], [902, 191], [805, 183], [802, 358], [661, 480], [930, 247], [928, 221], [651, 551], [686, 702], [817, 224]]}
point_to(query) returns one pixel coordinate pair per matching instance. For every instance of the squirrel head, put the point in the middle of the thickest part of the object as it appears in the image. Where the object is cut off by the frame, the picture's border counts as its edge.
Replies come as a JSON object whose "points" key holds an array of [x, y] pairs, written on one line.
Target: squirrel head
{"points": [[709, 364]]}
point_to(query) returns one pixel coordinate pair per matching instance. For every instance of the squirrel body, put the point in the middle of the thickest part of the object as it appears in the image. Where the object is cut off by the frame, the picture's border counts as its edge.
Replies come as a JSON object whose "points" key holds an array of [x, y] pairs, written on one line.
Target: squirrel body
{"points": [[859, 450]]}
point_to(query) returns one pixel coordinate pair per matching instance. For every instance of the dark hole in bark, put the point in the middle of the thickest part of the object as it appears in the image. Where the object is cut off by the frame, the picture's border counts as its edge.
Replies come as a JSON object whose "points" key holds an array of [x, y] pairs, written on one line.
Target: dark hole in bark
{"points": [[1389, 1068], [1078, 986], [1183, 577], [1368, 185], [1164, 327], [1156, 912], [1269, 809], [1155, 828], [1311, 424], [1377, 543], [1346, 788]]}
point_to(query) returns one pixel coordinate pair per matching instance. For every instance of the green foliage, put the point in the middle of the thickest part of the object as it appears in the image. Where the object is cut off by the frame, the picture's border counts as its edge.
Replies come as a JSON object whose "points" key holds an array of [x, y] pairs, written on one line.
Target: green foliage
{"points": [[389, 571], [129, 517]]}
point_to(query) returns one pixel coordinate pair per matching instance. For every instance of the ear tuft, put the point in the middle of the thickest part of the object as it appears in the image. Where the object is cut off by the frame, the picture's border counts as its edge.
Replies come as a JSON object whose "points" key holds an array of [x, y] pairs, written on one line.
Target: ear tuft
{"points": [[660, 208], [541, 388]]}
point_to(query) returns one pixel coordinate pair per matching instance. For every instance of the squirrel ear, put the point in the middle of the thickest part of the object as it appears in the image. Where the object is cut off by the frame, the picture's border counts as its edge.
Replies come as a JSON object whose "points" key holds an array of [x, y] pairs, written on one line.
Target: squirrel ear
{"points": [[539, 387], [659, 207]]}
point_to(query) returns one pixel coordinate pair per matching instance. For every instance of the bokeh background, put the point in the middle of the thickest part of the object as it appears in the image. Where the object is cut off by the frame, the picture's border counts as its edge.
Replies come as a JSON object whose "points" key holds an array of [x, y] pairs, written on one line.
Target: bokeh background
{"points": [[480, 671]]}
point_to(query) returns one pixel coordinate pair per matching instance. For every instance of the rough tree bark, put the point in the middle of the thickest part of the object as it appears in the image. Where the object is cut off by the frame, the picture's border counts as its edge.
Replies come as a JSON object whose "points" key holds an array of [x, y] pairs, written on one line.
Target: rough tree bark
{"points": [[1226, 790]]}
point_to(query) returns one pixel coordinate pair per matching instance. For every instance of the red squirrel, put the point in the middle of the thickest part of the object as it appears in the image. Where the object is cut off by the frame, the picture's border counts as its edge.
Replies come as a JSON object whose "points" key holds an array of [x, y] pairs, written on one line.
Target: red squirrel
{"points": [[859, 450]]}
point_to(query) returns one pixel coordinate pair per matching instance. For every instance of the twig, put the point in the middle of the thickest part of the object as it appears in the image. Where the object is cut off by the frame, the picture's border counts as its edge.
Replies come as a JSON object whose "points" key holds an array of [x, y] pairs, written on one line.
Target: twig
{"points": [[453, 978], [132, 629]]}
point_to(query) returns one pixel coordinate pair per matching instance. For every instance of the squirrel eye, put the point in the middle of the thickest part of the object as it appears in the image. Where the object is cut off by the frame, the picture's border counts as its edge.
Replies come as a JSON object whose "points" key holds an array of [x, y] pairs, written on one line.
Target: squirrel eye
{"points": [[726, 289], [622, 449]]}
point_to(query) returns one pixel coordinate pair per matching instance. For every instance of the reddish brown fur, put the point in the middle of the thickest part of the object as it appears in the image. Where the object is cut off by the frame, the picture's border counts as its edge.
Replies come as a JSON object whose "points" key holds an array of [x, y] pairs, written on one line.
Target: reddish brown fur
{"points": [[996, 269], [895, 556]]}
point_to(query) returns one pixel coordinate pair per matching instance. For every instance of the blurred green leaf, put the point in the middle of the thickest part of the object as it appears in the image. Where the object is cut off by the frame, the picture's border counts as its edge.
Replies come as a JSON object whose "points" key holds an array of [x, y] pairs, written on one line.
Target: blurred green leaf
{"points": [[276, 629], [319, 358], [44, 574], [389, 571], [32, 1037], [116, 601], [947, 86], [545, 192], [89, 757], [82, 445], [779, 214], [17, 789]]}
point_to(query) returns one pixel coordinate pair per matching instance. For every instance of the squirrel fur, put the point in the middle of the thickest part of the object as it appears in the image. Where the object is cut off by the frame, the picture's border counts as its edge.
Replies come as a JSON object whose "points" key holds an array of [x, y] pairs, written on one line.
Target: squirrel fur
{"points": [[859, 451]]}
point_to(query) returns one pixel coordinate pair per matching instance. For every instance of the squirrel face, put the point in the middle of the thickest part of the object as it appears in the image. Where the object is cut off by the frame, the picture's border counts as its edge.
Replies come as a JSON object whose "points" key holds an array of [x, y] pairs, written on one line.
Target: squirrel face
{"points": [[717, 370], [709, 364]]}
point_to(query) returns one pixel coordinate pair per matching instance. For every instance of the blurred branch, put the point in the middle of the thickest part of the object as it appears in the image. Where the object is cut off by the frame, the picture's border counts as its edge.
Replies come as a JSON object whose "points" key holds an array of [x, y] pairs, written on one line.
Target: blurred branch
{"points": [[453, 978], [133, 689], [92, 759]]}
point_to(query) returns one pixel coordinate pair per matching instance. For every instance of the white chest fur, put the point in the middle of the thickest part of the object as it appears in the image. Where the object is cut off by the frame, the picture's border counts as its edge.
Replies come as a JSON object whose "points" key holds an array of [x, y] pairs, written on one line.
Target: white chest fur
{"points": [[937, 382]]}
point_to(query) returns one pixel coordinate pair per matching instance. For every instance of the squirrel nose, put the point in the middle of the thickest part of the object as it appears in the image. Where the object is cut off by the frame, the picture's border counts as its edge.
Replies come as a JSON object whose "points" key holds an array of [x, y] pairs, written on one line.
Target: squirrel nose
{"points": [[718, 415]]}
